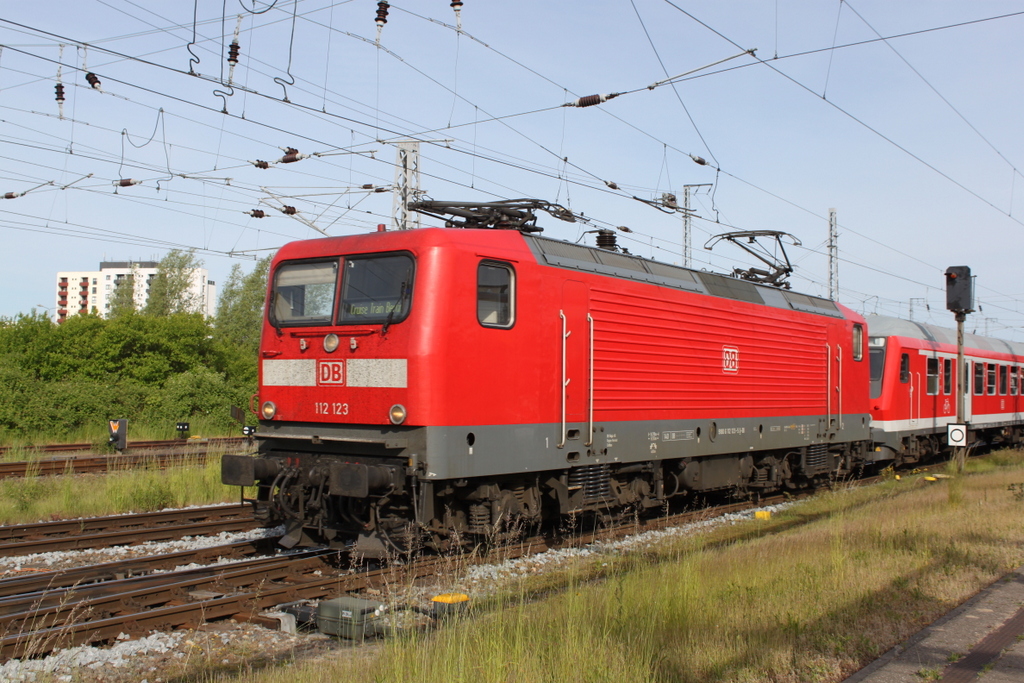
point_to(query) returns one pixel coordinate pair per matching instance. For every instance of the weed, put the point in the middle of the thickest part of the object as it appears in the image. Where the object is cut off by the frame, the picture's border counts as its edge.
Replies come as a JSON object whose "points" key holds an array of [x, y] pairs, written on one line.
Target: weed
{"points": [[929, 674], [954, 657]]}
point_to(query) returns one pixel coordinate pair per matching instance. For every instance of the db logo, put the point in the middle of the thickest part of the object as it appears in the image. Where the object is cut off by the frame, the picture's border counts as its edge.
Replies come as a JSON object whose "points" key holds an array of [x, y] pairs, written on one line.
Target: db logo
{"points": [[730, 359], [330, 372]]}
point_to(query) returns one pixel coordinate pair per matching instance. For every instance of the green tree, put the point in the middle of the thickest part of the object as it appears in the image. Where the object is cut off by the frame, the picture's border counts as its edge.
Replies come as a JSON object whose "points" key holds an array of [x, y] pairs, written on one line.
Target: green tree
{"points": [[240, 308], [170, 289], [123, 300]]}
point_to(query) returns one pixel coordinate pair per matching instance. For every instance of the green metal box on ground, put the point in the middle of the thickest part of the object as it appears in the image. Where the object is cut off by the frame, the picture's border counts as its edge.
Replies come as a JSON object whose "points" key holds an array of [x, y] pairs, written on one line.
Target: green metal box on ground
{"points": [[350, 617]]}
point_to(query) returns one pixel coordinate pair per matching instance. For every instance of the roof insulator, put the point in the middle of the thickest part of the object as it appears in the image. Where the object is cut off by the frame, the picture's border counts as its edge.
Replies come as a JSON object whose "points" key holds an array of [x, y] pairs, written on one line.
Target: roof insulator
{"points": [[591, 100], [93, 80], [260, 164], [256, 213], [126, 182], [60, 92], [289, 210]]}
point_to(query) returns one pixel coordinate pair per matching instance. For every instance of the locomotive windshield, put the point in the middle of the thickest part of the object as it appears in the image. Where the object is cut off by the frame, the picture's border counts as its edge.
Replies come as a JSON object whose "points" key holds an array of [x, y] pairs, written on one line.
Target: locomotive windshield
{"points": [[876, 357], [376, 289], [304, 293]]}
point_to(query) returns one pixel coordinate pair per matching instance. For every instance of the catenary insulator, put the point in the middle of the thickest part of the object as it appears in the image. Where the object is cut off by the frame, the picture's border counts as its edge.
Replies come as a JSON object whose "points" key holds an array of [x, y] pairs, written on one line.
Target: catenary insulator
{"points": [[12, 195], [292, 157], [127, 182], [623, 228], [289, 210], [60, 92], [456, 4], [93, 80], [612, 185], [380, 189], [368, 186], [256, 213], [260, 164], [382, 13], [699, 160], [591, 100], [233, 50]]}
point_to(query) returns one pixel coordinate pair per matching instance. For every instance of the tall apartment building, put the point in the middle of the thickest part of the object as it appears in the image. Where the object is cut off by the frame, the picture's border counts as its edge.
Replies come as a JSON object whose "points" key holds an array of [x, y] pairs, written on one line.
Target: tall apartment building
{"points": [[93, 291]]}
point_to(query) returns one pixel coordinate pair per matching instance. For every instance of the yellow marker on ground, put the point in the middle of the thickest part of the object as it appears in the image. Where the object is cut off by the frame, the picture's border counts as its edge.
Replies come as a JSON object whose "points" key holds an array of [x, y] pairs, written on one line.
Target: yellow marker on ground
{"points": [[763, 514]]}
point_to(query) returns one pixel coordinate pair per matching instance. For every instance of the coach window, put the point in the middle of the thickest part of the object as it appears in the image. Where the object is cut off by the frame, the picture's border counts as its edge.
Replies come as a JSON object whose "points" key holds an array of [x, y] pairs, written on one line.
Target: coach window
{"points": [[947, 376], [495, 294], [991, 378], [933, 376], [1013, 381], [1002, 380], [904, 368], [858, 342], [979, 379]]}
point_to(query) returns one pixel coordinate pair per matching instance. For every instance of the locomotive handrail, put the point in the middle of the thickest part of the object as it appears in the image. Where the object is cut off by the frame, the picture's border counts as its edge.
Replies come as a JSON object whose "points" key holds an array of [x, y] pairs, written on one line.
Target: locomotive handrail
{"points": [[839, 356], [828, 385], [386, 442], [565, 380], [590, 441]]}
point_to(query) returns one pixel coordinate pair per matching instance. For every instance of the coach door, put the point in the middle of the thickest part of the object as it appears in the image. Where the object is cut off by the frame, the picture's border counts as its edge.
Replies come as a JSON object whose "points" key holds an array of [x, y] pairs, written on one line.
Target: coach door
{"points": [[576, 329], [968, 390]]}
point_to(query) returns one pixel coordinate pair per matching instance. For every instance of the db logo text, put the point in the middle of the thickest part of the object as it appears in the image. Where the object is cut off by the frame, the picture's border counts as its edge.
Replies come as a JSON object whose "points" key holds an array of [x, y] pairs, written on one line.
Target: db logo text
{"points": [[330, 372], [730, 359]]}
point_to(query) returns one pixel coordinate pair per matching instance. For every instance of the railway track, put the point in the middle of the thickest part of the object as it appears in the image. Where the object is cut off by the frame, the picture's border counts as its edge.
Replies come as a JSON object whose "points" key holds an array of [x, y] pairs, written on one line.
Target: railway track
{"points": [[160, 454], [106, 532], [95, 605]]}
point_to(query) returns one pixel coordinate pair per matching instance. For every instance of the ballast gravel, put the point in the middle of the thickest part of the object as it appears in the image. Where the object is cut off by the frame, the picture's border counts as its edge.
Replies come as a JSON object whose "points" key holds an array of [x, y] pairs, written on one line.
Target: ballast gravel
{"points": [[160, 657]]}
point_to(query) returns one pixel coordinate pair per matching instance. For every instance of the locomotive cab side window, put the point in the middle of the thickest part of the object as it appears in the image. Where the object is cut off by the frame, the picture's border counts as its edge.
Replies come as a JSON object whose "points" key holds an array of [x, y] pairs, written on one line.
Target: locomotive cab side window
{"points": [[858, 342], [932, 376], [495, 294], [304, 293]]}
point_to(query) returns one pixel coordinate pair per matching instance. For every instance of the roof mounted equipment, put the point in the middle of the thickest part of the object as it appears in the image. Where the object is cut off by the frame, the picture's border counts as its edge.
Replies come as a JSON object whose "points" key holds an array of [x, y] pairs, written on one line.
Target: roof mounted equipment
{"points": [[511, 214], [779, 265]]}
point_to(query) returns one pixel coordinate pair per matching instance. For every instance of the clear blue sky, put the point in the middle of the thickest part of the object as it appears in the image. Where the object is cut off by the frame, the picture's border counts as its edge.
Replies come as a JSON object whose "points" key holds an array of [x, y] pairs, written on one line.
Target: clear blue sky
{"points": [[915, 140]]}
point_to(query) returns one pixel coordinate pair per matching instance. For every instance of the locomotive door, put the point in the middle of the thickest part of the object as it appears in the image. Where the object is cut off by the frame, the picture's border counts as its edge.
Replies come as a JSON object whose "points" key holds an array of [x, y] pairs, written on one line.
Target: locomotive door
{"points": [[575, 319], [834, 379]]}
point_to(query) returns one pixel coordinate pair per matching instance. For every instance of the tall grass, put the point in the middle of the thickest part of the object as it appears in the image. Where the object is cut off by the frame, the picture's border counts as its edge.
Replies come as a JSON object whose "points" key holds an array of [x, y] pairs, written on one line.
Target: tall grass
{"points": [[117, 492], [811, 595]]}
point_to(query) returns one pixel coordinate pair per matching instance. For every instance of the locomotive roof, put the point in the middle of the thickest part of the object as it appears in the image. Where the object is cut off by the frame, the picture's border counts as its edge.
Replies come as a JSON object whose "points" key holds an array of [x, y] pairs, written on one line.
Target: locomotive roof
{"points": [[616, 264], [884, 326]]}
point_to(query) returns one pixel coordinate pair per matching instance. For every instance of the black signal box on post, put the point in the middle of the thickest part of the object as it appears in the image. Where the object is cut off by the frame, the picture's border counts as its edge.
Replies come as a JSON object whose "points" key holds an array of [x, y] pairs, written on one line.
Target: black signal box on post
{"points": [[959, 289], [118, 434]]}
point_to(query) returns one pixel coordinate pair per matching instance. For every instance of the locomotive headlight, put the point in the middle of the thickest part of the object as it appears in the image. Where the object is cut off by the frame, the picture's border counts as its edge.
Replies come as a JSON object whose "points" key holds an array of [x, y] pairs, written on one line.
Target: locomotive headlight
{"points": [[397, 414], [331, 343], [269, 410]]}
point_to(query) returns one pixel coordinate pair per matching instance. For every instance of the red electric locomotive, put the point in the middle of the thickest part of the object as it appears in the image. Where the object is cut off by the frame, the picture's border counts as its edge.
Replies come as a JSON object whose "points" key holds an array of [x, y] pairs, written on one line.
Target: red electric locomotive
{"points": [[914, 384], [443, 385]]}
